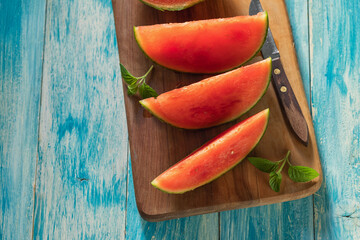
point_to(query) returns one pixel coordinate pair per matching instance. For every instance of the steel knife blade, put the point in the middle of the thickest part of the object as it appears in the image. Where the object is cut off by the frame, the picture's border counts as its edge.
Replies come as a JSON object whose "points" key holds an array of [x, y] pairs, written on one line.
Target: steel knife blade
{"points": [[285, 94]]}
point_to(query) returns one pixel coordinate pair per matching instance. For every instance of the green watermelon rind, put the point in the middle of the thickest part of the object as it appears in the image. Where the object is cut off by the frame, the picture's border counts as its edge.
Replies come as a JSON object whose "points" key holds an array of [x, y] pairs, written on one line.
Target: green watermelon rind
{"points": [[226, 170], [172, 7], [154, 114], [226, 70], [227, 120]]}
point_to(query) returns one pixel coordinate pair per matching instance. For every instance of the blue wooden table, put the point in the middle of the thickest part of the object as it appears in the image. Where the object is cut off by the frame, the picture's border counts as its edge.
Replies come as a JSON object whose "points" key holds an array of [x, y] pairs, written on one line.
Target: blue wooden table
{"points": [[65, 171]]}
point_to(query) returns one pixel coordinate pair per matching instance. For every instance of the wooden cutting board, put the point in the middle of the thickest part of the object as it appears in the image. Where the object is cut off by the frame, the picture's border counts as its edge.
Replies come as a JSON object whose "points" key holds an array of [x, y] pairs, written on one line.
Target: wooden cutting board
{"points": [[155, 146]]}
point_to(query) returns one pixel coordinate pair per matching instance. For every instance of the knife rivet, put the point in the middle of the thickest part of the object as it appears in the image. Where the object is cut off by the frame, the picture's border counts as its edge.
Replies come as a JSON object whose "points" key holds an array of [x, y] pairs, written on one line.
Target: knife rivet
{"points": [[283, 89], [277, 71]]}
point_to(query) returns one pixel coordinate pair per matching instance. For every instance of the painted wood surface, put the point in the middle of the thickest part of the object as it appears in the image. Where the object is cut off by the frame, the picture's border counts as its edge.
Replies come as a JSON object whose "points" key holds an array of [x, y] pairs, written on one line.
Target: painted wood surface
{"points": [[335, 74], [81, 173], [82, 170], [21, 47]]}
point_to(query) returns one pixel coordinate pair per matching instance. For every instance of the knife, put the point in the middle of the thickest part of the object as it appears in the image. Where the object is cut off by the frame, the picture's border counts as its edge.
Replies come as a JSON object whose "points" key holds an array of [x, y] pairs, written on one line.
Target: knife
{"points": [[285, 94]]}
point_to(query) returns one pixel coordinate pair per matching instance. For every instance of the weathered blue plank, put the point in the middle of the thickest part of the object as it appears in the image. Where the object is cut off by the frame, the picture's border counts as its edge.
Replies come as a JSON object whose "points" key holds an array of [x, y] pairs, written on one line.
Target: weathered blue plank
{"points": [[82, 166], [21, 47], [291, 220], [198, 227], [335, 73], [298, 16]]}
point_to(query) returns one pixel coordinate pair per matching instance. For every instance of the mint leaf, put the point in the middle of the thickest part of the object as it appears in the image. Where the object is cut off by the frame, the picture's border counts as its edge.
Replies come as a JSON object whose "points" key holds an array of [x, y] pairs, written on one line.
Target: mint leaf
{"points": [[132, 89], [146, 91], [302, 174], [275, 181], [263, 164], [128, 78], [136, 84], [296, 173]]}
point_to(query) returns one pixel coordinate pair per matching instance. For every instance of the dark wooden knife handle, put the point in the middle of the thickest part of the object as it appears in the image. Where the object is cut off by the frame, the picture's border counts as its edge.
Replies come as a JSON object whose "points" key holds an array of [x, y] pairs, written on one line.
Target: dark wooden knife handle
{"points": [[290, 106]]}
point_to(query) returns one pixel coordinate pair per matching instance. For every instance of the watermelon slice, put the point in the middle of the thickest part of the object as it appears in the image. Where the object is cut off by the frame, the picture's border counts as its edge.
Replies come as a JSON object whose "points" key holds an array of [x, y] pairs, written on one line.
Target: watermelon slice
{"points": [[206, 46], [171, 5], [214, 100], [215, 157]]}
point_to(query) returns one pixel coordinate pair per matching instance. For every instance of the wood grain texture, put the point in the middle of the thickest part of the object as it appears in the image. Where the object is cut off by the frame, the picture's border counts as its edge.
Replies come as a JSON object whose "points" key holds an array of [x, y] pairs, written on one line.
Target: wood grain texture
{"points": [[82, 167], [289, 220], [21, 47], [158, 146], [204, 227], [335, 72]]}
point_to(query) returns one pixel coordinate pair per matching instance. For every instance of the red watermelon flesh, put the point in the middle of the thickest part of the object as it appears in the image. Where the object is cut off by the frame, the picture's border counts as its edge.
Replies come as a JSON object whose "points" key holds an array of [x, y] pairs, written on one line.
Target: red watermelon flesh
{"points": [[215, 157], [171, 5], [205, 46], [214, 100]]}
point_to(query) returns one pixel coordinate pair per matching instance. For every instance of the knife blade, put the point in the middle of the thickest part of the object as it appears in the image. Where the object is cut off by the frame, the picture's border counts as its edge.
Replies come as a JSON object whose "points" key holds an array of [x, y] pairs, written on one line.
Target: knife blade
{"points": [[285, 94]]}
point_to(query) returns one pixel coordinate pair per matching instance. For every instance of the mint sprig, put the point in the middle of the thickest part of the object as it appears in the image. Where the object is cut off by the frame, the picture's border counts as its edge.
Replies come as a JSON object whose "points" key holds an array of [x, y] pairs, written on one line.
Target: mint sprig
{"points": [[296, 173], [137, 84]]}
